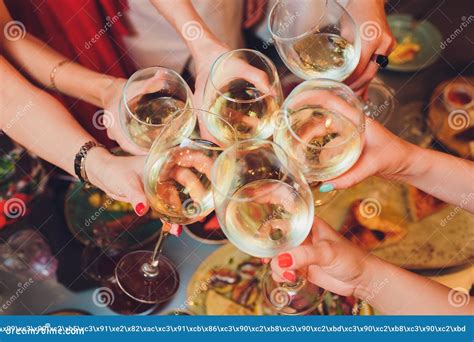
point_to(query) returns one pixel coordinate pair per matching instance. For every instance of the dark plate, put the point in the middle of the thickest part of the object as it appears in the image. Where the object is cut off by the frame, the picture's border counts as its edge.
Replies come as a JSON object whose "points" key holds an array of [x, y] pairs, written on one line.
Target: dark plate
{"points": [[83, 219], [424, 33], [208, 231]]}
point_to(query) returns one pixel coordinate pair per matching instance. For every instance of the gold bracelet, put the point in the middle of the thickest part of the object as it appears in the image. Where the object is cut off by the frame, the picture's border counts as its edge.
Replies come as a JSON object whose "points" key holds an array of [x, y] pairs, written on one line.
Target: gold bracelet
{"points": [[52, 76]]}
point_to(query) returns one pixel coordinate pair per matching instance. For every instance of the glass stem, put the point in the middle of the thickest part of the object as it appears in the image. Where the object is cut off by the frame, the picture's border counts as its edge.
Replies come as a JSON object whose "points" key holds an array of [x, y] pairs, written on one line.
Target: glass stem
{"points": [[151, 268]]}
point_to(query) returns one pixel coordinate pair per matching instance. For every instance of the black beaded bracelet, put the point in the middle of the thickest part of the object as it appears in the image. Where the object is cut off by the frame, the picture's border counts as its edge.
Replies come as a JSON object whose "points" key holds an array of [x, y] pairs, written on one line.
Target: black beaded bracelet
{"points": [[79, 160]]}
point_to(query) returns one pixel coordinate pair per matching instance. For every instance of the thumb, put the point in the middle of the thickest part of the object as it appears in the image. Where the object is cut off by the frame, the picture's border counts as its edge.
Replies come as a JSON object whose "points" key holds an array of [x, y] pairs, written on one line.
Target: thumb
{"points": [[362, 169], [321, 253]]}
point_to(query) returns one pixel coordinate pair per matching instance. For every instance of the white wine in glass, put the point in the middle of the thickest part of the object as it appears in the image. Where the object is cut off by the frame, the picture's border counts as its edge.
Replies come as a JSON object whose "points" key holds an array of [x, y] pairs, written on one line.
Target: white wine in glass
{"points": [[177, 185], [321, 125], [244, 88], [315, 38], [151, 99], [265, 207]]}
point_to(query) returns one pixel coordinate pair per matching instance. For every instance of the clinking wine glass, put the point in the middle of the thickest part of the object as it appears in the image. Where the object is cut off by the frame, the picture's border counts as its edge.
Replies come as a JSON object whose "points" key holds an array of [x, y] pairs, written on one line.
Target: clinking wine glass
{"points": [[320, 39], [321, 125], [151, 98], [244, 88], [265, 207], [177, 185]]}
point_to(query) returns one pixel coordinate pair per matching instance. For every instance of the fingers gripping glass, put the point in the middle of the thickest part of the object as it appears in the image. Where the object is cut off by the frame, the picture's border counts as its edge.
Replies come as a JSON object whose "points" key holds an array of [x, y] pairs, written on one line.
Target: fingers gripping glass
{"points": [[265, 207], [244, 88], [151, 97], [321, 126], [315, 38], [177, 185]]}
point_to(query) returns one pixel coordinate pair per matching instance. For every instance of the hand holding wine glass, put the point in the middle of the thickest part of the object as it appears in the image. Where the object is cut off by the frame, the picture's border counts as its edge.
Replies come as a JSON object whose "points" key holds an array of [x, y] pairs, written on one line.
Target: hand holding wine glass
{"points": [[244, 88], [265, 207], [331, 261], [177, 185], [119, 177], [321, 125], [149, 101], [376, 39]]}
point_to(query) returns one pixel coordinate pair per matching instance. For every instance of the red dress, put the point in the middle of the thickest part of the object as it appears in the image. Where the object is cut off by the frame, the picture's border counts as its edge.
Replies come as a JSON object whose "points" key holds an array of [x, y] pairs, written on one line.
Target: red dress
{"points": [[87, 32]]}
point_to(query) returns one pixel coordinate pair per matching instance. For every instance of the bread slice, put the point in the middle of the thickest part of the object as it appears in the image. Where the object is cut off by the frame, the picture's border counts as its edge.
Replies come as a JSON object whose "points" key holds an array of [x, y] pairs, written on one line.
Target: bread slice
{"points": [[374, 231], [421, 204]]}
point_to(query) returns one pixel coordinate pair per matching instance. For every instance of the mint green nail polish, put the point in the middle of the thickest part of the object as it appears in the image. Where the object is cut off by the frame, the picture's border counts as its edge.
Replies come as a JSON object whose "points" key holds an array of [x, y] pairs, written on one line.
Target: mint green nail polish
{"points": [[326, 187]]}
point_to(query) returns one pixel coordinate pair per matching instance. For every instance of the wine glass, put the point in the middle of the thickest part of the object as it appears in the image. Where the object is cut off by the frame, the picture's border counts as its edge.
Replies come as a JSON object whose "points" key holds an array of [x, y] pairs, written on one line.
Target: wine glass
{"points": [[244, 88], [320, 39], [150, 99], [321, 125], [265, 207], [177, 185], [315, 38]]}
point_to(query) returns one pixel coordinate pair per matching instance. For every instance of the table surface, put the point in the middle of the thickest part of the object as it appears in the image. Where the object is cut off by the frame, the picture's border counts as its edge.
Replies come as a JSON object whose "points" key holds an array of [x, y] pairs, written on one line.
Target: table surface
{"points": [[72, 291]]}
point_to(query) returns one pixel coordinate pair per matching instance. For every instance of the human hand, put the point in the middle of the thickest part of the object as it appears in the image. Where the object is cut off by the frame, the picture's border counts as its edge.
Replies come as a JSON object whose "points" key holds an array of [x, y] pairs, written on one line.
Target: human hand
{"points": [[179, 166], [384, 154], [376, 38], [329, 260], [119, 177], [233, 72], [110, 103]]}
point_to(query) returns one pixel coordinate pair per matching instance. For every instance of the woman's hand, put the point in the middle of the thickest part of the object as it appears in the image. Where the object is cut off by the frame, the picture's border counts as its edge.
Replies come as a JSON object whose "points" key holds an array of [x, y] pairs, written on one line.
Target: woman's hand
{"points": [[376, 38], [110, 102], [119, 177], [332, 262], [384, 154]]}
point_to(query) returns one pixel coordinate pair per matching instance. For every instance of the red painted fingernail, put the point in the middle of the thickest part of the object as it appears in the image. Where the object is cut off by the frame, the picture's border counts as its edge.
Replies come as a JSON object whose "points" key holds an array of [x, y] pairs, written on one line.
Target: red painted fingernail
{"points": [[290, 276], [285, 260], [265, 260], [140, 209]]}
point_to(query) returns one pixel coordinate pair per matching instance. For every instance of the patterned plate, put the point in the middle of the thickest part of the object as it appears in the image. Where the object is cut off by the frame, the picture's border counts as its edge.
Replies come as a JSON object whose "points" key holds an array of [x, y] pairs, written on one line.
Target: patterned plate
{"points": [[442, 240]]}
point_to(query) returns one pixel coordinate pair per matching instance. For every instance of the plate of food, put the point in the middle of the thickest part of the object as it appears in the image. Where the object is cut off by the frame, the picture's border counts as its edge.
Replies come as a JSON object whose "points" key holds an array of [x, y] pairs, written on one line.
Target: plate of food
{"points": [[417, 43], [403, 225], [228, 282], [93, 217]]}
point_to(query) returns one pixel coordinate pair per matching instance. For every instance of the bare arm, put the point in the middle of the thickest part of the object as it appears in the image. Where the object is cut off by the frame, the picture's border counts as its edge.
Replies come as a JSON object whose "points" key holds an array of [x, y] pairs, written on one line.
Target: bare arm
{"points": [[37, 121], [395, 291], [444, 176], [37, 59], [190, 25], [339, 266]]}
